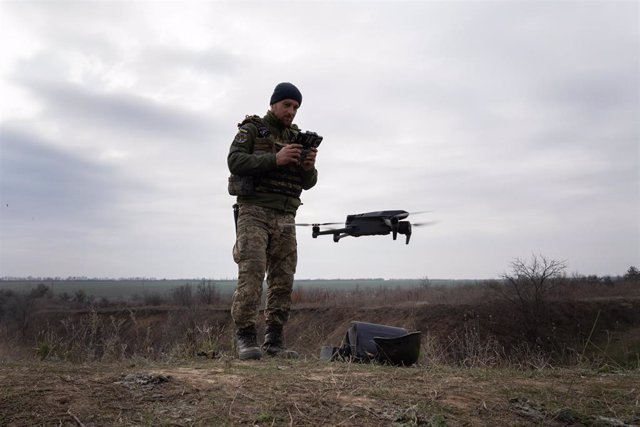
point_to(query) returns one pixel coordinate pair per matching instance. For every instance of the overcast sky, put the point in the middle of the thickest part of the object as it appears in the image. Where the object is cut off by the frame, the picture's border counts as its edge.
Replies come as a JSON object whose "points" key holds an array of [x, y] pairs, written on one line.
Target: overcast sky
{"points": [[515, 123]]}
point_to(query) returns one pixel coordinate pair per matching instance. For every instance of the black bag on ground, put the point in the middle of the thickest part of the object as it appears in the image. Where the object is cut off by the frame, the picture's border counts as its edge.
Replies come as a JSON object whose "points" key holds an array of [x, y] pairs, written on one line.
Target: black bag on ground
{"points": [[369, 342]]}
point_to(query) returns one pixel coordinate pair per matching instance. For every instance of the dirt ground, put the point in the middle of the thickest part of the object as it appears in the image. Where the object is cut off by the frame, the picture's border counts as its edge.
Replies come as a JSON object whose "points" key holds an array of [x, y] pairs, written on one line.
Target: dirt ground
{"points": [[309, 392]]}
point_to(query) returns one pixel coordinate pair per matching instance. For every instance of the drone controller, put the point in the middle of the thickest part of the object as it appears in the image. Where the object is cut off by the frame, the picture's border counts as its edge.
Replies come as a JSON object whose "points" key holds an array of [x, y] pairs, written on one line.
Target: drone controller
{"points": [[308, 140]]}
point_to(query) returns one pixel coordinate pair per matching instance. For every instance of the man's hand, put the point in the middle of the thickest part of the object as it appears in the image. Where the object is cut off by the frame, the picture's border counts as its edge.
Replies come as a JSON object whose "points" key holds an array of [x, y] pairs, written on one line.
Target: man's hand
{"points": [[289, 154], [310, 161]]}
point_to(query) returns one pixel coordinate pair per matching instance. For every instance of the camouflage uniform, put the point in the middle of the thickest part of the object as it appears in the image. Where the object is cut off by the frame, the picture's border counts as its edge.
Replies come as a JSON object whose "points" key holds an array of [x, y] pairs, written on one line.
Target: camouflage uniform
{"points": [[266, 236], [266, 241]]}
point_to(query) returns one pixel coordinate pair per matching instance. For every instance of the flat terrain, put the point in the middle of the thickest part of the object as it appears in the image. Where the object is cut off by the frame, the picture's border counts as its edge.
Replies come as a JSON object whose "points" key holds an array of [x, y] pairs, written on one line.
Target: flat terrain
{"points": [[483, 361], [309, 392]]}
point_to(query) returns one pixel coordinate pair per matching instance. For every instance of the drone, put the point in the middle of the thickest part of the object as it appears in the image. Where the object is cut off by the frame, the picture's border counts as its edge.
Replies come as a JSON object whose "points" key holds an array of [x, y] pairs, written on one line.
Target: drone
{"points": [[369, 224]]}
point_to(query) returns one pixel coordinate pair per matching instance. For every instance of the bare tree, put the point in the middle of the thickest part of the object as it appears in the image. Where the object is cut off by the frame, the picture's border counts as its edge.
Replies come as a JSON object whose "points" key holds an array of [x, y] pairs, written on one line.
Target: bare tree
{"points": [[182, 295], [527, 288], [207, 292]]}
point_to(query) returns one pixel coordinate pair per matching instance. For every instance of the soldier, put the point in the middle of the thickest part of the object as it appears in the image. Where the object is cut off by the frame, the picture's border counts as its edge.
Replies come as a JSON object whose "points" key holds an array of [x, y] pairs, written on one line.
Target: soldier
{"points": [[267, 176]]}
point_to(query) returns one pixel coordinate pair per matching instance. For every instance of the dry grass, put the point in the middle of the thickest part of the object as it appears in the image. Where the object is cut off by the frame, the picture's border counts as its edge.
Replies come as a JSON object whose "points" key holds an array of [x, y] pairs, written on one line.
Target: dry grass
{"points": [[173, 365], [309, 393], [475, 328]]}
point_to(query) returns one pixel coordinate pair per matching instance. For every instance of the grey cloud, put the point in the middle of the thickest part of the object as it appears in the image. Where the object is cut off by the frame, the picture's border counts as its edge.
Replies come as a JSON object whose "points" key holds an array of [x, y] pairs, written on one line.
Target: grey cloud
{"points": [[598, 94], [40, 181], [506, 54], [122, 112], [211, 61]]}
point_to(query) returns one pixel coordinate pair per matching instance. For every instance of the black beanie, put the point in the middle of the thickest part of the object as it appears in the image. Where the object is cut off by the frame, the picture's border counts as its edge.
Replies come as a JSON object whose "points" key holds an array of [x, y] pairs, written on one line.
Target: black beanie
{"points": [[285, 91]]}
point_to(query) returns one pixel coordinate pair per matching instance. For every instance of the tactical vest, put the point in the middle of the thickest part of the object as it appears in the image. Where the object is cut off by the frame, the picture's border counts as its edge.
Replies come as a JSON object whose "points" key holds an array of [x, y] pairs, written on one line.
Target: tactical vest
{"points": [[283, 180]]}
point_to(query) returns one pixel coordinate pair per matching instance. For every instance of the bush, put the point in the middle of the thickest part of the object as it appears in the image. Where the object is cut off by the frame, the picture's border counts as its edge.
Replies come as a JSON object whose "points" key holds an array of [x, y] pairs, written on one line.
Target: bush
{"points": [[207, 293], [154, 299], [41, 291], [15, 310], [80, 296], [632, 275], [182, 295]]}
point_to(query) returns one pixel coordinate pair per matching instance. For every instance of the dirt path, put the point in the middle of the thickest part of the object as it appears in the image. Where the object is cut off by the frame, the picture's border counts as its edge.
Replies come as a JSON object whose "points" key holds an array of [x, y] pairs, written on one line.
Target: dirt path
{"points": [[309, 393]]}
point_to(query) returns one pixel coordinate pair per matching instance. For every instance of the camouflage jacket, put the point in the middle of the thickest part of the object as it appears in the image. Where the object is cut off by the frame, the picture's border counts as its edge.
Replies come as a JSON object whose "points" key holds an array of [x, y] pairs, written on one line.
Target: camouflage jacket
{"points": [[253, 152]]}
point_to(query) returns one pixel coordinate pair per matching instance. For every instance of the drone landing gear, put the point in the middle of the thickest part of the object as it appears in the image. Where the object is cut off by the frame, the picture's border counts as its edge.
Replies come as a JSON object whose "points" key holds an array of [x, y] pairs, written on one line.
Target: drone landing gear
{"points": [[393, 223], [338, 236]]}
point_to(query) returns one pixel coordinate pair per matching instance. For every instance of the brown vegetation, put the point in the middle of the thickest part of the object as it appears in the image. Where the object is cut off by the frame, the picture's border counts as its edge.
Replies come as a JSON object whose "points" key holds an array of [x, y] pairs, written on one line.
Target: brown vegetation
{"points": [[481, 358], [569, 321]]}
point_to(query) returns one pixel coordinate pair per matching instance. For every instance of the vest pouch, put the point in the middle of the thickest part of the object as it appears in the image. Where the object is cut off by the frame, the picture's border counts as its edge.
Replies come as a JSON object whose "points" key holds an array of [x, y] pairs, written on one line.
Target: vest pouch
{"points": [[240, 185]]}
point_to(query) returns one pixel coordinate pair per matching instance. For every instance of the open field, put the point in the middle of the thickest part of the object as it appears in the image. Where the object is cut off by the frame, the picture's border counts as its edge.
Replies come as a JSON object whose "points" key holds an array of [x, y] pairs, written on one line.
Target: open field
{"points": [[484, 360], [126, 288]]}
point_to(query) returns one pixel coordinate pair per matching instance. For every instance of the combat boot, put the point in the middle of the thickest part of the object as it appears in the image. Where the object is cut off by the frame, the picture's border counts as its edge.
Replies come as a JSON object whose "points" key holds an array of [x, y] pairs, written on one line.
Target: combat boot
{"points": [[247, 344], [273, 343]]}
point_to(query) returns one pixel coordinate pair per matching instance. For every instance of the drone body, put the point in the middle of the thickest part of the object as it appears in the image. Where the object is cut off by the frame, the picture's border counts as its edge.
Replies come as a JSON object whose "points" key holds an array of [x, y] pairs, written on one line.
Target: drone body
{"points": [[369, 224]]}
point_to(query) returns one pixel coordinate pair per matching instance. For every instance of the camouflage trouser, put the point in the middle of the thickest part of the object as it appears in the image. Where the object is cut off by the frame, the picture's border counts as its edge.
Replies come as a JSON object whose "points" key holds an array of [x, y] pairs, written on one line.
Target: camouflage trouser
{"points": [[265, 243]]}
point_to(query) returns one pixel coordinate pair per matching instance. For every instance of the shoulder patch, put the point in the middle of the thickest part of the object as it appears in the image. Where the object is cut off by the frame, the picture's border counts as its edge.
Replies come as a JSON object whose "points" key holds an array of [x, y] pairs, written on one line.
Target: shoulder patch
{"points": [[259, 124], [241, 137]]}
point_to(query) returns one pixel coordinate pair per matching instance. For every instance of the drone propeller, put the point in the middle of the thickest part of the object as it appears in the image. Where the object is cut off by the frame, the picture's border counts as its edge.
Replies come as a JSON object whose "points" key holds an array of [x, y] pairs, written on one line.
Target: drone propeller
{"points": [[403, 214], [316, 224], [419, 212], [423, 224]]}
